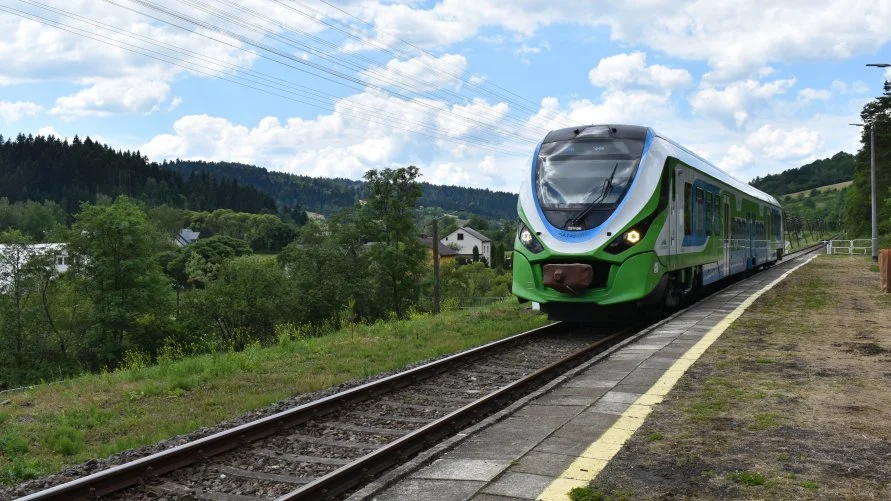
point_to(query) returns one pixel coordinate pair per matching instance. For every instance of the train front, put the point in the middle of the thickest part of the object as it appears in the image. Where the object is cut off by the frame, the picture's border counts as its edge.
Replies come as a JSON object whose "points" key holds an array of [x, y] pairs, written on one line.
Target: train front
{"points": [[590, 215]]}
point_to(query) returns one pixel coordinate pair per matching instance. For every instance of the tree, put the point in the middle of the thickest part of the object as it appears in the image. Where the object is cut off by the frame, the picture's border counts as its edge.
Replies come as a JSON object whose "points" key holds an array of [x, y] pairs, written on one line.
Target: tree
{"points": [[386, 221], [15, 287], [114, 248], [478, 223], [325, 269], [197, 264], [875, 114], [476, 254], [250, 295]]}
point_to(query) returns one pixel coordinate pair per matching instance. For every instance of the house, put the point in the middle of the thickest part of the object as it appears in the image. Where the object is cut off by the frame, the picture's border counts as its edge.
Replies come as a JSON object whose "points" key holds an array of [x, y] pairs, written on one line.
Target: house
{"points": [[185, 237], [17, 256], [465, 238], [446, 253]]}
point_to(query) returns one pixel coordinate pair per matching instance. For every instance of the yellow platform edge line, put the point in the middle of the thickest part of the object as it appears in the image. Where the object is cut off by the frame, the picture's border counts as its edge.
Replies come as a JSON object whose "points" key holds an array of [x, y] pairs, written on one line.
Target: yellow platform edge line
{"points": [[594, 459]]}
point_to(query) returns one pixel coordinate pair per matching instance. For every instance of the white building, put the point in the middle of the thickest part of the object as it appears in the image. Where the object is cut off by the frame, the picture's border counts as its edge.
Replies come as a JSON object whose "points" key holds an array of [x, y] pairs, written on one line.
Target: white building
{"points": [[464, 239], [12, 256]]}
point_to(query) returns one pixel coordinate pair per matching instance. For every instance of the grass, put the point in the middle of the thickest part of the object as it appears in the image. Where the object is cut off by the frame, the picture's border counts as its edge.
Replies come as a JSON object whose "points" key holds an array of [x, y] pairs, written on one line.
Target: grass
{"points": [[585, 494], [53, 426], [654, 436], [746, 478], [795, 385], [821, 189]]}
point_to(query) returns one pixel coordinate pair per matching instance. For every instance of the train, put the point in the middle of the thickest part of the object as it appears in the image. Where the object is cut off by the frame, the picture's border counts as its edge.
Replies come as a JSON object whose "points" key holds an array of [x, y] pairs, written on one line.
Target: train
{"points": [[617, 216]]}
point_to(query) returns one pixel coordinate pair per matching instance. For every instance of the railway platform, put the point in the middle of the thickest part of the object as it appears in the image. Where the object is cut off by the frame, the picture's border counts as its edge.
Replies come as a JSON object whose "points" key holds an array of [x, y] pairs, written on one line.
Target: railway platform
{"points": [[564, 434]]}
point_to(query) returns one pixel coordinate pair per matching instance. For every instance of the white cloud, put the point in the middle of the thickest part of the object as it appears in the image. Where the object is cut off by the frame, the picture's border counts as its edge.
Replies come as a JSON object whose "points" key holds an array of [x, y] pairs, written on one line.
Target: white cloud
{"points": [[524, 51], [174, 103], [483, 116], [49, 131], [481, 173], [809, 94], [736, 157], [857, 87], [105, 96], [623, 70], [423, 73], [737, 39], [343, 143], [734, 102], [14, 111], [780, 144]]}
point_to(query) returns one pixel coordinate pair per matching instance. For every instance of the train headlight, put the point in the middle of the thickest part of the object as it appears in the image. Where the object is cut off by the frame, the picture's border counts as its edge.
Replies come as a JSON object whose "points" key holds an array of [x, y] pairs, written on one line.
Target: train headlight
{"points": [[528, 239], [632, 237]]}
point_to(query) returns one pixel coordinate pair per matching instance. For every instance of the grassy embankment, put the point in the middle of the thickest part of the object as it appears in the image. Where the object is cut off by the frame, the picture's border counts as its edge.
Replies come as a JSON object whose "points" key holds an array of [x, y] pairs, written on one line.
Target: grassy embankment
{"points": [[822, 189], [93, 416], [791, 402]]}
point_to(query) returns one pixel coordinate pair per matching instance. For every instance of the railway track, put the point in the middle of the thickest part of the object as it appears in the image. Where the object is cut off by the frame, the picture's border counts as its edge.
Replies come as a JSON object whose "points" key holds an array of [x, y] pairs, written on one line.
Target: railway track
{"points": [[329, 446], [325, 448]]}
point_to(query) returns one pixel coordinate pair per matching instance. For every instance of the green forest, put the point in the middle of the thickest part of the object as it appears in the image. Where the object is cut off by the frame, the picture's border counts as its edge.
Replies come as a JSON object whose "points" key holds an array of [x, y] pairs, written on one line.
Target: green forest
{"points": [[328, 196], [838, 168], [47, 168]]}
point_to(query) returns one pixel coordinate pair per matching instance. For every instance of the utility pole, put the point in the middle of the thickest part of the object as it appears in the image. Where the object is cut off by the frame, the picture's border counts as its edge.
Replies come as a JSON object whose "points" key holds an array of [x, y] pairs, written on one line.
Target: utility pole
{"points": [[435, 268], [872, 177], [872, 183]]}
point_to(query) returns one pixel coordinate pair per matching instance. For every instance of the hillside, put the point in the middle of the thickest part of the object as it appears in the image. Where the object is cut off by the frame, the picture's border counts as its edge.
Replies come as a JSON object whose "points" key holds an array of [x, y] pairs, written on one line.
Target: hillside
{"points": [[328, 196], [46, 168], [819, 173]]}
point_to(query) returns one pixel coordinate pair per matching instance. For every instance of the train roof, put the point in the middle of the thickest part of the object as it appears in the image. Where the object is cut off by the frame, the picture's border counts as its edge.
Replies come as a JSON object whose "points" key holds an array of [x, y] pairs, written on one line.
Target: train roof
{"points": [[694, 160]]}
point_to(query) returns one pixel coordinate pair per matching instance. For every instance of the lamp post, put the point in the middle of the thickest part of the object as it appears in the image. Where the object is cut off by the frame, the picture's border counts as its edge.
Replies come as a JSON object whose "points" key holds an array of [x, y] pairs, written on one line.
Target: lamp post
{"points": [[872, 177]]}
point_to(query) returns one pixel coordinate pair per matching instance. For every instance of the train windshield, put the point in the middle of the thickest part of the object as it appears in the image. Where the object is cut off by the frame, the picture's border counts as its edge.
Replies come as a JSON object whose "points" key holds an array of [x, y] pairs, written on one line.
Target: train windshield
{"points": [[577, 173]]}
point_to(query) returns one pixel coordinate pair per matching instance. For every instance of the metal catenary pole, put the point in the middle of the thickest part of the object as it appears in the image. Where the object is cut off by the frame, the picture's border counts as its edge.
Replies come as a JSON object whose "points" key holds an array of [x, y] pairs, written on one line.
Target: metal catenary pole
{"points": [[872, 174], [435, 268]]}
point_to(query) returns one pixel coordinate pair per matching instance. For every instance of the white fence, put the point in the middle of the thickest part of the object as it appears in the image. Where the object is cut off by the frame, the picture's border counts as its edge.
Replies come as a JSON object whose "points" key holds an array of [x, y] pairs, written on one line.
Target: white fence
{"points": [[857, 247]]}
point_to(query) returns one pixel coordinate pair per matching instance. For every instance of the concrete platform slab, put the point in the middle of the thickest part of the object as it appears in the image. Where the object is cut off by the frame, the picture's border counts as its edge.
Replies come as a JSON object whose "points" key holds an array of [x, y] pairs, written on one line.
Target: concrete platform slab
{"points": [[413, 489], [519, 485], [482, 470], [542, 463]]}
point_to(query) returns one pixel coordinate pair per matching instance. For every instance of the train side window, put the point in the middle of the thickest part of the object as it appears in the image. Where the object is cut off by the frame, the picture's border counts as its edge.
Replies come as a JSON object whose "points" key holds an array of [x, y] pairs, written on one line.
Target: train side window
{"points": [[700, 212], [708, 212], [688, 208]]}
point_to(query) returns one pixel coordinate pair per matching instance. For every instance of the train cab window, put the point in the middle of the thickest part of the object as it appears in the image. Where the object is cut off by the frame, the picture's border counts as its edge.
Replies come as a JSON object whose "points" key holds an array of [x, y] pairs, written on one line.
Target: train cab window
{"points": [[700, 212], [688, 208], [709, 210]]}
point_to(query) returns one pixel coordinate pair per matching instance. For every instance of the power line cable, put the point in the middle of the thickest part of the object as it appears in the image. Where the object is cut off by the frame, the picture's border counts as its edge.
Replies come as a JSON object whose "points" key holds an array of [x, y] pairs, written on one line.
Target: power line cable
{"points": [[213, 73]]}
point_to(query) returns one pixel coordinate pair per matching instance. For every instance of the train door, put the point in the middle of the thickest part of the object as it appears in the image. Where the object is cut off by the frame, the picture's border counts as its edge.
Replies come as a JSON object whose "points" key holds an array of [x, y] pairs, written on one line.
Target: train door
{"points": [[727, 235], [673, 246]]}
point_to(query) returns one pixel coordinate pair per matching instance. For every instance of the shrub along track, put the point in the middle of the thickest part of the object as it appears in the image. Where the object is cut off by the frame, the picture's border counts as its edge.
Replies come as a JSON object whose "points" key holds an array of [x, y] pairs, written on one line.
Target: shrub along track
{"points": [[324, 448]]}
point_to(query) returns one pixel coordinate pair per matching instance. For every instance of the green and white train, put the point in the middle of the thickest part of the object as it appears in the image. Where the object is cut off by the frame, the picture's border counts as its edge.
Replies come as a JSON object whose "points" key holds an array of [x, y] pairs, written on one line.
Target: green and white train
{"points": [[621, 215]]}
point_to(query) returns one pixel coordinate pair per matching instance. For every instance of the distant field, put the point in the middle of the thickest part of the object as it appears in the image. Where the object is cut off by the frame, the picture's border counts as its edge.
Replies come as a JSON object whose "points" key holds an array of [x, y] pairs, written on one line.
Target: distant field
{"points": [[821, 189]]}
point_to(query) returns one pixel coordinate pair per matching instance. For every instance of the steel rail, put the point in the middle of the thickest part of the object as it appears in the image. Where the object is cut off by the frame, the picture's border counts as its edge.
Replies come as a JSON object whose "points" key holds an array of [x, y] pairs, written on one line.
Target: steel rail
{"points": [[131, 473], [350, 475]]}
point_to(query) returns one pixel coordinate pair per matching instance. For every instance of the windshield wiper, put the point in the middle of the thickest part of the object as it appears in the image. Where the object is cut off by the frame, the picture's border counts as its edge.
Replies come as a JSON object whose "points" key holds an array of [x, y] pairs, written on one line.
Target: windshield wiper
{"points": [[576, 221]]}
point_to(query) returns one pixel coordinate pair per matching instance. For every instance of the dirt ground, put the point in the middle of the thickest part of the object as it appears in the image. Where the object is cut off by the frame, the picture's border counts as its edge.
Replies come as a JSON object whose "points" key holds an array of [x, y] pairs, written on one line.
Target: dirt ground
{"points": [[792, 402]]}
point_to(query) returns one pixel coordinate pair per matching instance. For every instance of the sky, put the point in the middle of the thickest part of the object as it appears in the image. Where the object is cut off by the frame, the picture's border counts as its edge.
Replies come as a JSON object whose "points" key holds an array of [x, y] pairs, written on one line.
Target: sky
{"points": [[463, 89]]}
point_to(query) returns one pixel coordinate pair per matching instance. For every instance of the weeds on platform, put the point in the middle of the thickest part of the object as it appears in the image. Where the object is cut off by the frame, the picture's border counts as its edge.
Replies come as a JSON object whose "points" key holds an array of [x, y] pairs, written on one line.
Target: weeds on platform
{"points": [[746, 478]]}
